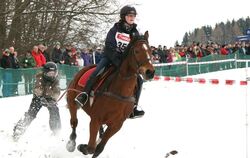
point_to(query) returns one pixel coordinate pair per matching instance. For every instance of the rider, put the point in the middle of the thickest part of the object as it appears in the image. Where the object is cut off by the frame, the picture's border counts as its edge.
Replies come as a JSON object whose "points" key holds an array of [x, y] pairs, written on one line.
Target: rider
{"points": [[45, 93], [116, 42]]}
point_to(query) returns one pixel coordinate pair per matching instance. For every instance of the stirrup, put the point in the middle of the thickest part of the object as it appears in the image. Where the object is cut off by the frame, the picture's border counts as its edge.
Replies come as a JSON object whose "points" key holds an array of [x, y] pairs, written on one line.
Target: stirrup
{"points": [[79, 102]]}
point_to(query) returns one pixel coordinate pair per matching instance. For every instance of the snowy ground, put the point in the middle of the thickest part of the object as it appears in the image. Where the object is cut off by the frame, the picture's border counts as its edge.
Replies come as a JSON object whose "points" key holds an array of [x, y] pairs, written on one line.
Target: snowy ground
{"points": [[197, 120]]}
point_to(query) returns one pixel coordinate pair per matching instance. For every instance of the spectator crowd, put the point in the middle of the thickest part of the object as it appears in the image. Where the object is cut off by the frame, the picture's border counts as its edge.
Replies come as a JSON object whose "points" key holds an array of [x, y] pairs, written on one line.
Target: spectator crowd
{"points": [[37, 57], [197, 50], [70, 55]]}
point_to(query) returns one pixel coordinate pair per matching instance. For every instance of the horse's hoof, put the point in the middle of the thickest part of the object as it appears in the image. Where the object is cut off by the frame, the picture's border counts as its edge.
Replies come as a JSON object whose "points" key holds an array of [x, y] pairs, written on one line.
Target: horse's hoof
{"points": [[94, 156], [83, 148], [98, 150], [71, 146]]}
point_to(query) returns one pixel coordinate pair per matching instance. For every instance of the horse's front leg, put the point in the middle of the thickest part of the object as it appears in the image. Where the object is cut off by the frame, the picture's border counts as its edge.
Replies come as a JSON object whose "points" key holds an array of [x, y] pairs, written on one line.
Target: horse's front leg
{"points": [[90, 148], [71, 145], [109, 132]]}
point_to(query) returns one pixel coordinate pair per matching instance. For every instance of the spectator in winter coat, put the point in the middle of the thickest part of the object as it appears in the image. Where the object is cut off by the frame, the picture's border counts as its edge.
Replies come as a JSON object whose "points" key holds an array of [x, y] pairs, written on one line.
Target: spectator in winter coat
{"points": [[43, 49], [91, 54], [169, 57], [210, 50], [190, 53], [6, 63], [38, 56], [86, 57], [14, 59], [69, 58], [28, 62], [17, 76], [243, 49], [223, 50], [161, 54], [174, 54], [229, 49], [156, 59], [182, 53], [79, 60], [216, 48], [57, 55], [98, 55], [247, 48]]}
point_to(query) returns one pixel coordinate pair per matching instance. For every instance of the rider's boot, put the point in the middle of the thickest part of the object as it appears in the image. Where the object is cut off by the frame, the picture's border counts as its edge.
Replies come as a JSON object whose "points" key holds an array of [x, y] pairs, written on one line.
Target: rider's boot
{"points": [[136, 113]]}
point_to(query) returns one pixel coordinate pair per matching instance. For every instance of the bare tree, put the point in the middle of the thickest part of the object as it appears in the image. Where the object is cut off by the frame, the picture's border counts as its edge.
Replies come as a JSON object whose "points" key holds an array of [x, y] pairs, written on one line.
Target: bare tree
{"points": [[24, 23], [3, 23]]}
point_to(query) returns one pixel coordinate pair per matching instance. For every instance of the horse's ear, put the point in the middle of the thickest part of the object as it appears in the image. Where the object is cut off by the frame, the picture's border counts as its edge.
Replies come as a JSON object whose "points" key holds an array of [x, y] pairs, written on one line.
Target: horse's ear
{"points": [[146, 35]]}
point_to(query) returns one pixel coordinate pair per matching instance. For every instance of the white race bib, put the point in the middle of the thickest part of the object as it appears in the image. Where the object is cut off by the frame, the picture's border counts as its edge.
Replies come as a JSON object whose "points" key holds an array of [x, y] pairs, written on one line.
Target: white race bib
{"points": [[122, 40]]}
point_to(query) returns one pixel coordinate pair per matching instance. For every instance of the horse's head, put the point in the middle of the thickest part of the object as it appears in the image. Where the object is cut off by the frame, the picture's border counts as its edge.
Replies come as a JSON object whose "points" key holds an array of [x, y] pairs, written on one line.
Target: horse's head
{"points": [[140, 57]]}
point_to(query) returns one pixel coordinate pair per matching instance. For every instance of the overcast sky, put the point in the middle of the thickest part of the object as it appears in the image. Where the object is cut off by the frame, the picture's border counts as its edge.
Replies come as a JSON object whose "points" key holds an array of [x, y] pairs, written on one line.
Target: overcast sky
{"points": [[167, 21]]}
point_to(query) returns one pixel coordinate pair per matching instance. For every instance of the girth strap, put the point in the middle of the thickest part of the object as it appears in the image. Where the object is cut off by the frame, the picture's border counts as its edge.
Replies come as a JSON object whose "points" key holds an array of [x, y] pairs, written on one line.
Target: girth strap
{"points": [[119, 97]]}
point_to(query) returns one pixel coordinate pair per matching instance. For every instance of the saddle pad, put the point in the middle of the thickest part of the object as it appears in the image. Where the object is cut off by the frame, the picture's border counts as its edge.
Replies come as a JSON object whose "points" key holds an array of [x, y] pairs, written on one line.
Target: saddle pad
{"points": [[84, 78]]}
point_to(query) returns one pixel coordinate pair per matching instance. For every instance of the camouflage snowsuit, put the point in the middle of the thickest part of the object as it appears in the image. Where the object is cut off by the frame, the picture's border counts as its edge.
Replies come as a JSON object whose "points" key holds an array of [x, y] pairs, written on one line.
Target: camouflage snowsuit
{"points": [[45, 93]]}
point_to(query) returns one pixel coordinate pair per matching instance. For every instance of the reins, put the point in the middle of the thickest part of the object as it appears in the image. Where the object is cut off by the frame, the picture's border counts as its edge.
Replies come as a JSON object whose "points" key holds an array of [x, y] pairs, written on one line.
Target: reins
{"points": [[68, 89]]}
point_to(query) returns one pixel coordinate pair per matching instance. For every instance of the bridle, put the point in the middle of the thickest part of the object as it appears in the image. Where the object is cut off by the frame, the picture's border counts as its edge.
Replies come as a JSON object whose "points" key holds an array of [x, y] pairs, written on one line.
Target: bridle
{"points": [[137, 62]]}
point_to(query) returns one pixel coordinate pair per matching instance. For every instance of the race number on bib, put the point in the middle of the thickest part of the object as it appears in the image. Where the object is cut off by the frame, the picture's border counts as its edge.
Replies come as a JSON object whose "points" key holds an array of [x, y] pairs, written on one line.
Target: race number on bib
{"points": [[122, 40]]}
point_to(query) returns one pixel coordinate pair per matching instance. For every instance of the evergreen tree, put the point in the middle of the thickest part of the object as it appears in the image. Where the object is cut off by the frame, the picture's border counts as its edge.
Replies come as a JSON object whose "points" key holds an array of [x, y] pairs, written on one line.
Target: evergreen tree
{"points": [[222, 32], [185, 39], [176, 43]]}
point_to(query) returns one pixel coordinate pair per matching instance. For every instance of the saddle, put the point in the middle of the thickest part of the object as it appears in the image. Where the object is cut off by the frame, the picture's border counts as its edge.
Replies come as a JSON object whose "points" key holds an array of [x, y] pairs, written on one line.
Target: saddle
{"points": [[100, 78]]}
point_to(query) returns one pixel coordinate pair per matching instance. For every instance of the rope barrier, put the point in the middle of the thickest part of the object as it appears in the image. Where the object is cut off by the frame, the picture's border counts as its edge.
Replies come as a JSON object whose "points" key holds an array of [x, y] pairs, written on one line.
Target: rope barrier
{"points": [[199, 80]]}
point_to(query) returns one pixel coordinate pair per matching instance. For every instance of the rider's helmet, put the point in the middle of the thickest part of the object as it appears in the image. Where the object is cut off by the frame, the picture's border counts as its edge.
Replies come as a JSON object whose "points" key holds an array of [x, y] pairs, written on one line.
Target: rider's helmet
{"points": [[127, 10], [50, 71]]}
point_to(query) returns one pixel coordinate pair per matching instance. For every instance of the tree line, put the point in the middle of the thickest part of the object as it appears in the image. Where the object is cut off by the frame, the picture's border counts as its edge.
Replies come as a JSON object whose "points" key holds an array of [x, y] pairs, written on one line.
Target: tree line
{"points": [[222, 33]]}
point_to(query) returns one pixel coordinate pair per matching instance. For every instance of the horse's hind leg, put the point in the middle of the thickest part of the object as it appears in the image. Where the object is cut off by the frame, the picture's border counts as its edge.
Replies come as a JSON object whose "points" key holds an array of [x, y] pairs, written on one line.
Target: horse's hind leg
{"points": [[101, 132], [109, 132], [73, 122]]}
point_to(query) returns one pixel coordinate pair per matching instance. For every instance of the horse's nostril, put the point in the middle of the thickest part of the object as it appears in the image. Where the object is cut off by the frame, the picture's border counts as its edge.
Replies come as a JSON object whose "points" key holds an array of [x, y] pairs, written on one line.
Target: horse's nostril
{"points": [[150, 74]]}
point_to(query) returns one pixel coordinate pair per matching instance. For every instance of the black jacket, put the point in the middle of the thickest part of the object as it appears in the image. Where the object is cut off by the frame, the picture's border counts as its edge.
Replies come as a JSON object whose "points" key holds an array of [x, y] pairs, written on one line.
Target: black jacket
{"points": [[57, 55], [116, 42], [6, 62], [14, 61]]}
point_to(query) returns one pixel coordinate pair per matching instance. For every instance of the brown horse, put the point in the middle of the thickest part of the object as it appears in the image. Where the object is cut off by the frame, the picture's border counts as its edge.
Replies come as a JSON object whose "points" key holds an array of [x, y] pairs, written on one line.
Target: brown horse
{"points": [[113, 106]]}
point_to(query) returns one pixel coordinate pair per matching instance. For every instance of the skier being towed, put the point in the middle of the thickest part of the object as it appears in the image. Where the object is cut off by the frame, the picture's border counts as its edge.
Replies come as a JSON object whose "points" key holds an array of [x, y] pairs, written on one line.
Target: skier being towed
{"points": [[45, 93]]}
